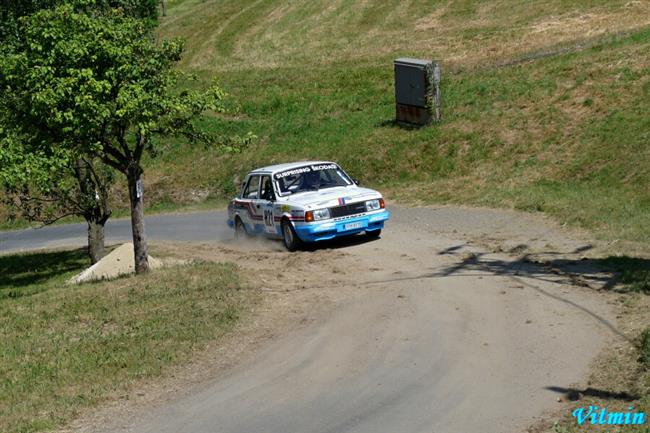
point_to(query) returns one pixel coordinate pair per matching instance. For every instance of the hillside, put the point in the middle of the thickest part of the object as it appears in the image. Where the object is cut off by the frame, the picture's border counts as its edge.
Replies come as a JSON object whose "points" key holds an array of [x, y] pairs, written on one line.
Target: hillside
{"points": [[546, 104], [234, 34]]}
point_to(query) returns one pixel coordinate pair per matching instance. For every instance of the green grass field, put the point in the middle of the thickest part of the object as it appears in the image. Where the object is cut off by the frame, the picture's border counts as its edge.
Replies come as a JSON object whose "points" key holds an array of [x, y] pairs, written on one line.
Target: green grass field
{"points": [[546, 105], [66, 348]]}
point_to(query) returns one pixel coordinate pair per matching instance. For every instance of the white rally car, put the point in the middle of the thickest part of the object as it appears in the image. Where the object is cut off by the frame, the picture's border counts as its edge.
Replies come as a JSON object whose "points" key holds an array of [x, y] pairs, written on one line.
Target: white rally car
{"points": [[305, 202]]}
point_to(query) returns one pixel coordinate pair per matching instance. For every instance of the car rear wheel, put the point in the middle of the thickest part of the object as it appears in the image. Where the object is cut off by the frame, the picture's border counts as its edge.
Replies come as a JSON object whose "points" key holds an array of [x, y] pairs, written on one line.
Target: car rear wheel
{"points": [[291, 240], [240, 230], [373, 234]]}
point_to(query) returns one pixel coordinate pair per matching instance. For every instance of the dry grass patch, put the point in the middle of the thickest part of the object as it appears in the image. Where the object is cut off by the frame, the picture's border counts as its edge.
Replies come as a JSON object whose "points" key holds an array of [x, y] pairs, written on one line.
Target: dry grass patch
{"points": [[233, 35]]}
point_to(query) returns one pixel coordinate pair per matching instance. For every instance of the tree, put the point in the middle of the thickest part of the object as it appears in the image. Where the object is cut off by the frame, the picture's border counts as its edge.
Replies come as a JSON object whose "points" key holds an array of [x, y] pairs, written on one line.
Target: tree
{"points": [[44, 186], [48, 184], [104, 88], [143, 9]]}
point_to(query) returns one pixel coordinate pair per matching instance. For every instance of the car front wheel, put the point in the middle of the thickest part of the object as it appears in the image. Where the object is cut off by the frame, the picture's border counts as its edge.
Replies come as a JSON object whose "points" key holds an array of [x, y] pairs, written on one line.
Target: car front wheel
{"points": [[373, 234], [291, 240]]}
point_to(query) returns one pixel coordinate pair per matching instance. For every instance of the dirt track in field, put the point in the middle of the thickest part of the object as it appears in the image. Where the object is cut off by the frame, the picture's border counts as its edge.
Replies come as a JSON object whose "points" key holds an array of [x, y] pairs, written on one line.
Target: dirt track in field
{"points": [[448, 323]]}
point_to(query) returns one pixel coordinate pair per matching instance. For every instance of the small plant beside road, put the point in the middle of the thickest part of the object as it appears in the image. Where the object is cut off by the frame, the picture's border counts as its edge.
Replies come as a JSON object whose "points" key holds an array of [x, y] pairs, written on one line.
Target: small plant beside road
{"points": [[644, 348]]}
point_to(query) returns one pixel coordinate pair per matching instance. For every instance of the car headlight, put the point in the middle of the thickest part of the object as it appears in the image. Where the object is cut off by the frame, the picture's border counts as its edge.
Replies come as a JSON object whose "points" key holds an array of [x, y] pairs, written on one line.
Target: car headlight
{"points": [[321, 214], [375, 204]]}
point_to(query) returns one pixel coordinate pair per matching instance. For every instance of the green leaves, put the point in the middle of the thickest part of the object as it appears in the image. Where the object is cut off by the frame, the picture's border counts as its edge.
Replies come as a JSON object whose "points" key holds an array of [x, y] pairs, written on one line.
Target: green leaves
{"points": [[85, 83], [90, 78]]}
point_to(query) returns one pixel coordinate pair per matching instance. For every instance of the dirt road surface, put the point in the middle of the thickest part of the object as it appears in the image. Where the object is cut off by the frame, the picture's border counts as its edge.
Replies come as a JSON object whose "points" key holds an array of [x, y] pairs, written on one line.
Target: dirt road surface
{"points": [[446, 325]]}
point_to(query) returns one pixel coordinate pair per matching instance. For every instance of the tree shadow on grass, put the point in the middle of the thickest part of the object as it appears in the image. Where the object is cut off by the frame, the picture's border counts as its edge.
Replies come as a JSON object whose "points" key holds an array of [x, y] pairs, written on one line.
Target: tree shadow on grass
{"points": [[28, 273], [632, 273]]}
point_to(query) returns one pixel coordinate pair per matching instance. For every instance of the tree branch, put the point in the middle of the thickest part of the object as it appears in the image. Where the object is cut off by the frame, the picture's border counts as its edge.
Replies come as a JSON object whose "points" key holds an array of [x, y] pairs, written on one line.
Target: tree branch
{"points": [[139, 147], [62, 199], [122, 141], [89, 165], [119, 161], [60, 217]]}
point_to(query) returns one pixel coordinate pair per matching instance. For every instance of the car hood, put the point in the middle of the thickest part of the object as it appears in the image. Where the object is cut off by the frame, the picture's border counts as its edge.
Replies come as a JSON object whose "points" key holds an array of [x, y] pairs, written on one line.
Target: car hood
{"points": [[330, 197]]}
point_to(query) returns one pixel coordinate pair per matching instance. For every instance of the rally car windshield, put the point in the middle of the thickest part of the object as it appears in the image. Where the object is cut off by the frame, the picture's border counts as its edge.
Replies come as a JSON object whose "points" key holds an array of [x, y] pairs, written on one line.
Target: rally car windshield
{"points": [[311, 178]]}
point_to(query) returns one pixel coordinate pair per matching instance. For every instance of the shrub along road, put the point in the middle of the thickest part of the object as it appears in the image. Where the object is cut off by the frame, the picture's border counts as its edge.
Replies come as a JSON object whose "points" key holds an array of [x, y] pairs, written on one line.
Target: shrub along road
{"points": [[426, 329]]}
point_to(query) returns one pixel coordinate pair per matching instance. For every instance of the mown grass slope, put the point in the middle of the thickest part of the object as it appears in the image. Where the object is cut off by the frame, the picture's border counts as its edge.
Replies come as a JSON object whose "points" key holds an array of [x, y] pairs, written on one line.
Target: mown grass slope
{"points": [[546, 104], [240, 34]]}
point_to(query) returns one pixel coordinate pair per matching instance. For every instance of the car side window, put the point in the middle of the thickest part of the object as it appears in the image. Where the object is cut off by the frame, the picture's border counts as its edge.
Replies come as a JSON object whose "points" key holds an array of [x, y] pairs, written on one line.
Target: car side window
{"points": [[252, 188], [267, 188]]}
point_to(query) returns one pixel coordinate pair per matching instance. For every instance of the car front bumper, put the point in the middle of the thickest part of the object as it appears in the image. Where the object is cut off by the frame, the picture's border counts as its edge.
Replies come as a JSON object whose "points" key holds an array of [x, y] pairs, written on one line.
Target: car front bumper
{"points": [[329, 229]]}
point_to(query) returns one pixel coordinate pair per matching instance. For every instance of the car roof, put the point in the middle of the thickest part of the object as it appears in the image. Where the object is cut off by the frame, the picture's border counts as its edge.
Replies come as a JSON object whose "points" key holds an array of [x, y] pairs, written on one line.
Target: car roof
{"points": [[287, 166]]}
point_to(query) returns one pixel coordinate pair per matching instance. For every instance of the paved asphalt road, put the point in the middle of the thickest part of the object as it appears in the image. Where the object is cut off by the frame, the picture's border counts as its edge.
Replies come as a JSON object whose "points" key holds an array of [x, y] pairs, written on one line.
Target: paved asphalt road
{"points": [[197, 226]]}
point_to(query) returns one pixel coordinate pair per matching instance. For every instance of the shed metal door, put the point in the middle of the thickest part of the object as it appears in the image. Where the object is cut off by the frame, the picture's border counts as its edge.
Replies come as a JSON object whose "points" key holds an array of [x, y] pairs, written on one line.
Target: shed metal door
{"points": [[410, 85]]}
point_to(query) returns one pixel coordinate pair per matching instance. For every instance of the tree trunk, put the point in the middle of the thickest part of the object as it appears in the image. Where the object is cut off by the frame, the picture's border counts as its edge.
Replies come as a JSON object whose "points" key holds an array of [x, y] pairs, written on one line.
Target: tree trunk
{"points": [[95, 241], [134, 176]]}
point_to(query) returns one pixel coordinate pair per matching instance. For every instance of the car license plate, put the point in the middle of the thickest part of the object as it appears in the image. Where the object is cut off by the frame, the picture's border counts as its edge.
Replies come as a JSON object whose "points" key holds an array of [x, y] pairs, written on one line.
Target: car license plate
{"points": [[352, 226]]}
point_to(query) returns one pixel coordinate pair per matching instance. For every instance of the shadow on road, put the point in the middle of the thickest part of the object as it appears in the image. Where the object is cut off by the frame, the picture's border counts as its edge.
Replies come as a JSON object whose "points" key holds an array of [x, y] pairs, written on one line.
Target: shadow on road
{"points": [[337, 243], [618, 274], [574, 394]]}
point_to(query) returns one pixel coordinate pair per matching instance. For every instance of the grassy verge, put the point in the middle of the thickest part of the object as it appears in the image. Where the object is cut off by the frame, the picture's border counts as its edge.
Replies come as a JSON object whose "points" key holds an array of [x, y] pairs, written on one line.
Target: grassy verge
{"points": [[65, 348], [240, 34]]}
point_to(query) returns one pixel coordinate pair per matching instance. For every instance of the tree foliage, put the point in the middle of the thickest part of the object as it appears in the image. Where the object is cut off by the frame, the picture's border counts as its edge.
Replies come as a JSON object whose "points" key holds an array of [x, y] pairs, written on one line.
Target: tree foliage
{"points": [[47, 186], [42, 180], [95, 83], [11, 10], [101, 83]]}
